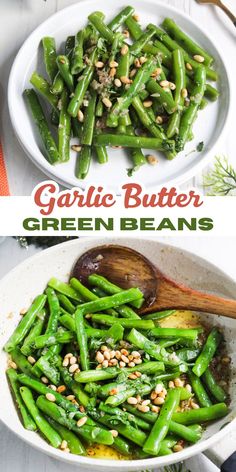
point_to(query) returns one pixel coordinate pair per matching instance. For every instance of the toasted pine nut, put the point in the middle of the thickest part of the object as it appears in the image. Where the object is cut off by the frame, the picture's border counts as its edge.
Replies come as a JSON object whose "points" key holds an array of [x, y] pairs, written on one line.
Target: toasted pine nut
{"points": [[132, 376], [122, 364], [99, 357], [65, 362], [73, 368], [155, 408], [158, 388], [70, 397], [159, 120], [61, 388], [152, 160], [195, 406], [125, 80], [198, 58], [188, 66], [138, 361], [64, 445], [53, 387], [153, 395], [12, 364], [112, 354], [125, 352], [113, 64], [136, 17], [81, 421], [126, 33], [133, 72], [104, 348], [156, 72], [136, 354], [178, 382], [172, 86], [131, 364], [188, 387], [105, 364], [184, 93], [107, 355], [31, 359], [112, 72], [171, 384], [164, 83], [76, 148], [50, 397], [124, 50], [159, 401], [177, 448], [124, 359], [146, 402], [132, 401], [114, 433], [137, 373], [143, 408], [137, 63]]}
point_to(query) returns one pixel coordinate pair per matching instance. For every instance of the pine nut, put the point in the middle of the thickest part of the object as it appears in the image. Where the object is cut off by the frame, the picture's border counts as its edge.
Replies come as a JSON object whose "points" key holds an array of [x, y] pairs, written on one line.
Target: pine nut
{"points": [[132, 376], [172, 86], [124, 359], [158, 388], [195, 406], [143, 408], [153, 395], [61, 388], [65, 362], [152, 160], [132, 73], [99, 64], [178, 382], [132, 401], [184, 93], [104, 348], [126, 33], [136, 354], [73, 368], [166, 89], [114, 433], [156, 72], [188, 66], [125, 80], [198, 58], [70, 397], [82, 421], [113, 64], [177, 448], [76, 148], [64, 445], [117, 82], [188, 388], [131, 364], [23, 311], [122, 364], [124, 351], [159, 120], [99, 357], [73, 360], [159, 401], [112, 354], [114, 361], [155, 409], [31, 359], [118, 354], [137, 63], [142, 59], [136, 17], [138, 374], [146, 402], [107, 102], [171, 384], [105, 364], [53, 387], [147, 103], [45, 380], [112, 72], [107, 355], [50, 397], [80, 116], [124, 50], [164, 83], [12, 365], [162, 395], [138, 361]]}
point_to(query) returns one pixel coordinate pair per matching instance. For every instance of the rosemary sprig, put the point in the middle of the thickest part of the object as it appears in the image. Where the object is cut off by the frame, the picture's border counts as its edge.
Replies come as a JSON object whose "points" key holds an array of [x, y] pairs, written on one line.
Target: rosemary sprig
{"points": [[221, 180]]}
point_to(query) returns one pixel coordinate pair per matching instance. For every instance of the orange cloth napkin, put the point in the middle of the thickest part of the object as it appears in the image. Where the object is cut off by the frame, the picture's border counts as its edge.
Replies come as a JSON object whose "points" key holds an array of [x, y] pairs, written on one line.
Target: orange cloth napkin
{"points": [[4, 187]]}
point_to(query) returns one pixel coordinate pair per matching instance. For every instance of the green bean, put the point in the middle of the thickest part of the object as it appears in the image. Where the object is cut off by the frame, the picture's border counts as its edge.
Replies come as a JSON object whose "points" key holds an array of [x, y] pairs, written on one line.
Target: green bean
{"points": [[88, 432], [199, 390], [78, 53], [63, 64], [124, 416], [74, 444], [46, 340], [102, 155], [64, 128], [25, 323], [173, 125], [54, 308], [134, 142], [213, 387], [126, 323], [101, 27], [137, 339], [82, 86], [190, 113], [185, 41], [207, 353], [201, 415], [43, 87], [49, 370], [185, 432], [65, 289], [133, 27], [82, 339], [54, 350], [137, 47], [187, 355], [36, 330], [69, 45], [159, 315], [123, 66], [66, 303], [145, 119], [39, 118], [49, 54], [89, 121], [177, 332], [77, 390], [121, 18], [112, 372], [138, 159], [27, 419], [83, 162], [161, 426], [46, 429]]}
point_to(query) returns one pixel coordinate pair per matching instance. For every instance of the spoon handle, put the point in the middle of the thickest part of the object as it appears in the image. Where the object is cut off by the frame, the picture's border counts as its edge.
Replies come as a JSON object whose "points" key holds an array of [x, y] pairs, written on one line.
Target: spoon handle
{"points": [[172, 295], [228, 12]]}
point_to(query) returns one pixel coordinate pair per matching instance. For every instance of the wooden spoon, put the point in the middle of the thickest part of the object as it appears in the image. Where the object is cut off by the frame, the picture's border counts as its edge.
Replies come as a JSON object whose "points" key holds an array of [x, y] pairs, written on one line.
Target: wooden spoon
{"points": [[219, 4], [128, 268]]}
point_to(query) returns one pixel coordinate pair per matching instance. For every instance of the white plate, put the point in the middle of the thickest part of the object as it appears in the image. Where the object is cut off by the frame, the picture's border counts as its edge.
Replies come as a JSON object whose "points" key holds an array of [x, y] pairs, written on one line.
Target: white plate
{"points": [[24, 282], [209, 127]]}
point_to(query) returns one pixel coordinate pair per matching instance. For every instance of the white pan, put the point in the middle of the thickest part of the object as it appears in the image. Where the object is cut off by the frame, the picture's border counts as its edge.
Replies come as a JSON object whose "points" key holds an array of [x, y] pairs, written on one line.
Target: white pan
{"points": [[24, 282]]}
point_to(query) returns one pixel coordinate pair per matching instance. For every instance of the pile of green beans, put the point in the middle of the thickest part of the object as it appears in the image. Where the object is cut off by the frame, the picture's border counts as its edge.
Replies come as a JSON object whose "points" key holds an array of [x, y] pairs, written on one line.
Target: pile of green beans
{"points": [[85, 368], [105, 91]]}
